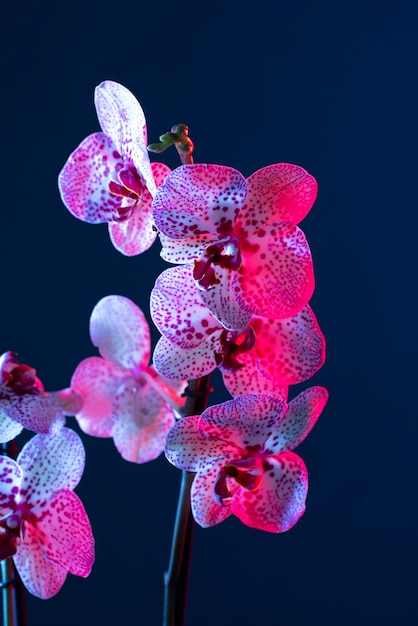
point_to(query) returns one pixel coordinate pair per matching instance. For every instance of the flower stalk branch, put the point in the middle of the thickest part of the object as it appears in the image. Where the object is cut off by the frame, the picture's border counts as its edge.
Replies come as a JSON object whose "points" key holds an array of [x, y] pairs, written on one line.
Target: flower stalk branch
{"points": [[176, 578]]}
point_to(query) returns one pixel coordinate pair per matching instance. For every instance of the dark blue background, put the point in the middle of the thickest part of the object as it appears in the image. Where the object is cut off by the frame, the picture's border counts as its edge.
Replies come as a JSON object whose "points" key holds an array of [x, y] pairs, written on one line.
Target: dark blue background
{"points": [[331, 86]]}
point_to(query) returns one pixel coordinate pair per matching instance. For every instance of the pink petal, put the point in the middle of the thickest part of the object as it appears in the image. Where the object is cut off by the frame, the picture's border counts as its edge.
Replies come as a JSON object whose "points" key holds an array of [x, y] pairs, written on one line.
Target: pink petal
{"points": [[289, 351], [97, 381], [122, 118], [177, 363], [249, 379], [184, 250], [206, 511], [65, 533], [276, 276], [248, 420], [120, 331], [279, 502], [278, 192], [9, 428], [68, 400], [10, 479], [142, 420], [188, 449], [37, 412], [199, 199], [221, 301], [84, 180], [41, 578], [50, 463], [137, 233], [300, 418], [177, 310], [171, 391]]}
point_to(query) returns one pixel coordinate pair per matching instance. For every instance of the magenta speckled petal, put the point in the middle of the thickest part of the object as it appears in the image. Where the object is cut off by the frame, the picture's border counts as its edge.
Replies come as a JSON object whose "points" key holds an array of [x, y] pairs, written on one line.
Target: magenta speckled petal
{"points": [[41, 578], [188, 449], [199, 199], [142, 420], [10, 480], [247, 420], [249, 379], [221, 302], [278, 192], [9, 428], [122, 118], [120, 331], [37, 413], [276, 277], [50, 463], [84, 180], [279, 502], [177, 363], [178, 311], [98, 381], [183, 250], [206, 511], [289, 351], [65, 533], [302, 415]]}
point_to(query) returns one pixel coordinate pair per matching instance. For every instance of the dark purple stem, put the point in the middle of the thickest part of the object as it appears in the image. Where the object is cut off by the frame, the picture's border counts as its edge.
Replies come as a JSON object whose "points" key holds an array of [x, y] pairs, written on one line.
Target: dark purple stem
{"points": [[12, 589], [176, 579]]}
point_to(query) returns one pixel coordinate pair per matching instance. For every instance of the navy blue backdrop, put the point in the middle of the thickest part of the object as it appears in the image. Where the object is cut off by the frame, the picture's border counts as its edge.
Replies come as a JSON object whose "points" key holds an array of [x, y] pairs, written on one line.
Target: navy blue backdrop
{"points": [[331, 86]]}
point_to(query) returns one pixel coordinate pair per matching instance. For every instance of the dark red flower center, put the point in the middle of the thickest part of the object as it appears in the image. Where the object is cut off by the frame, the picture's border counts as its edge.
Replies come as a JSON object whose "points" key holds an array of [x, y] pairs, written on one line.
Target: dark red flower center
{"points": [[232, 345], [16, 377], [224, 253], [246, 472], [130, 186], [10, 532]]}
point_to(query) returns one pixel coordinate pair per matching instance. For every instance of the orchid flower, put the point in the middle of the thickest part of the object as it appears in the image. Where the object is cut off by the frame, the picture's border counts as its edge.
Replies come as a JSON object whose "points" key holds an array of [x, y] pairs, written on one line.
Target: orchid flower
{"points": [[124, 397], [241, 453], [265, 358], [43, 524], [241, 236], [24, 402], [109, 178]]}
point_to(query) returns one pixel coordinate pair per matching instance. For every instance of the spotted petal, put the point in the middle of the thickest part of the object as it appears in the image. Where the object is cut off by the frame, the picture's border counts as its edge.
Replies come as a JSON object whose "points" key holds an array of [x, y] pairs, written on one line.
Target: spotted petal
{"points": [[206, 511], [40, 577], [120, 331], [178, 311], [301, 416], [247, 420], [187, 448], [278, 192], [9, 428], [199, 199], [249, 379], [84, 180], [65, 533], [122, 118], [177, 363], [279, 502], [276, 277], [10, 480], [50, 463], [289, 351], [36, 412]]}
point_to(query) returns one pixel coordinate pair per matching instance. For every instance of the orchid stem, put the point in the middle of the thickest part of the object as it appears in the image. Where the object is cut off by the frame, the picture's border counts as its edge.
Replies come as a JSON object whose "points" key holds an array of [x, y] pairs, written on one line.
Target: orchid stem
{"points": [[12, 590], [176, 578]]}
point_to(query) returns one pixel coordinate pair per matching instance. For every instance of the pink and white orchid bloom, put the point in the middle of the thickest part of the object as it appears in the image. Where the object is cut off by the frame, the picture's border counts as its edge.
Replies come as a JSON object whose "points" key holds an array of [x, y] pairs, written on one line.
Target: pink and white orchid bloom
{"points": [[43, 524], [23, 401], [123, 396], [241, 236], [241, 453], [267, 357], [109, 177]]}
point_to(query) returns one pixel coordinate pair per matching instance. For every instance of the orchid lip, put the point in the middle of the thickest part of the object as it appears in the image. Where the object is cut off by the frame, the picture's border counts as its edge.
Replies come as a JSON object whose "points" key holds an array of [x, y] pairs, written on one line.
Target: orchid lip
{"points": [[225, 253]]}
